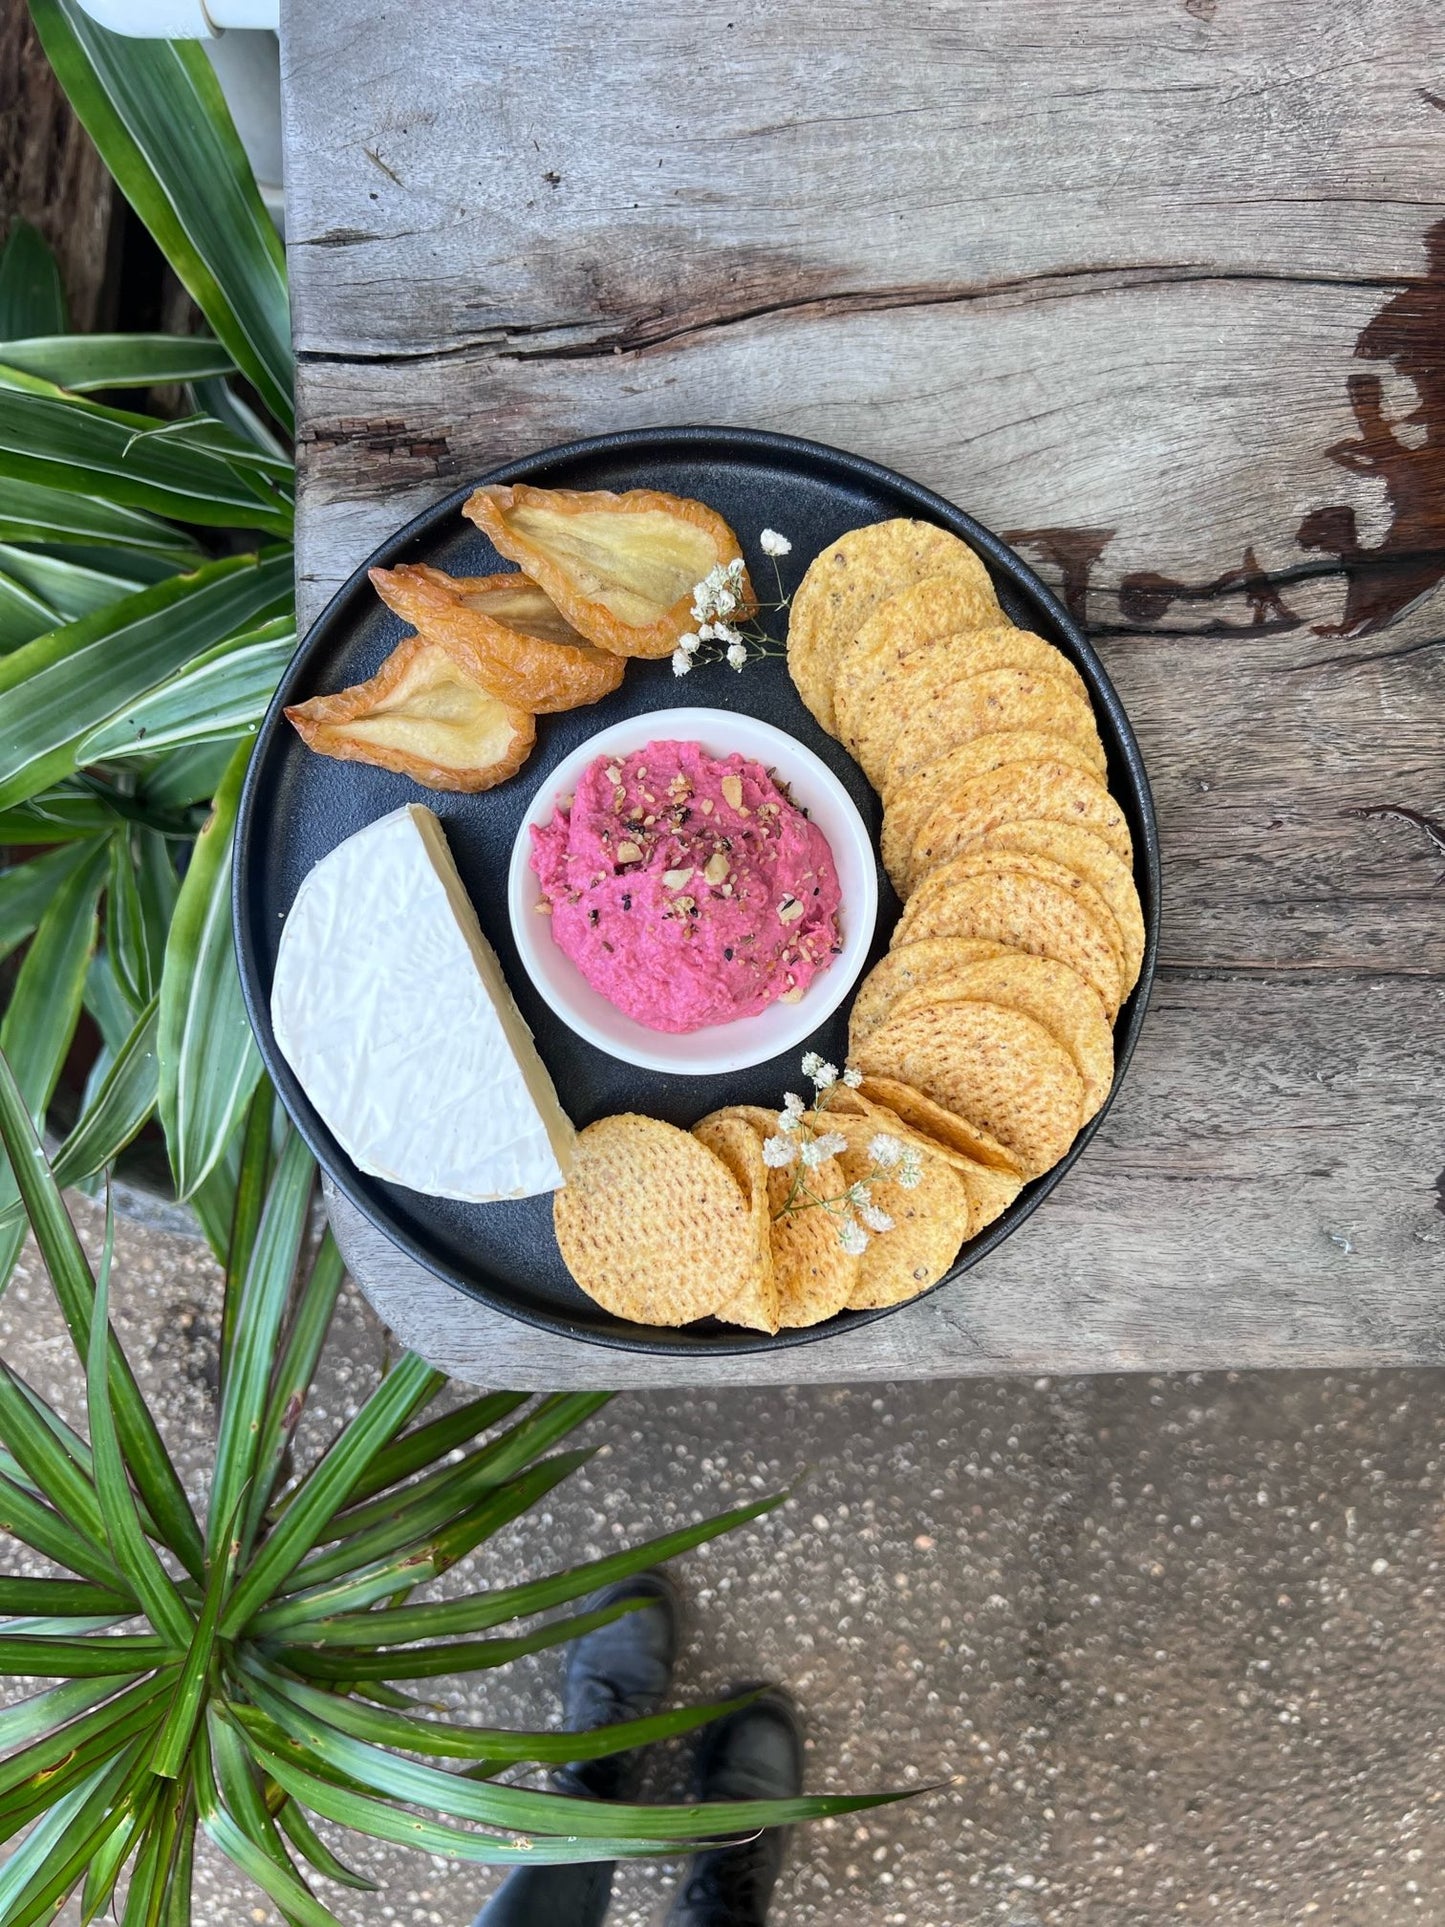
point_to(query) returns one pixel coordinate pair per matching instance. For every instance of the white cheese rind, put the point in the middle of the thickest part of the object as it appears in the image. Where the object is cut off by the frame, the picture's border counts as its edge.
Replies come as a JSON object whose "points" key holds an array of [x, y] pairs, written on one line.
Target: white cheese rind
{"points": [[391, 1008]]}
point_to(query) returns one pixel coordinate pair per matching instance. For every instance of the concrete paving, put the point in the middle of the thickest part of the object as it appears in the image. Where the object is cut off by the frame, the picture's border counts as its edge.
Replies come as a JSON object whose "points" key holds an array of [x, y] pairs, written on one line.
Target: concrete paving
{"points": [[1178, 1637]]}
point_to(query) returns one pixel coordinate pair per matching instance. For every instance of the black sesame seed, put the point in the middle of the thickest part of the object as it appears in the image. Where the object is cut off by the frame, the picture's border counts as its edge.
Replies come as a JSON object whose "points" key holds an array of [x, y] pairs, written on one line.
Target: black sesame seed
{"points": [[727, 953]]}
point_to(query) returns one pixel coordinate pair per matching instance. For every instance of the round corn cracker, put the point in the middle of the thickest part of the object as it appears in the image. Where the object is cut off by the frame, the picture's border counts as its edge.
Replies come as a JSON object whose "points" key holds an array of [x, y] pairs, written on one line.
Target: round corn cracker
{"points": [[1018, 793], [815, 1275], [651, 1224], [991, 1066], [906, 1113], [911, 807], [732, 1138], [995, 699], [1024, 911], [980, 859], [1049, 992], [1087, 854], [904, 969], [908, 625], [848, 580], [879, 683], [930, 1221]]}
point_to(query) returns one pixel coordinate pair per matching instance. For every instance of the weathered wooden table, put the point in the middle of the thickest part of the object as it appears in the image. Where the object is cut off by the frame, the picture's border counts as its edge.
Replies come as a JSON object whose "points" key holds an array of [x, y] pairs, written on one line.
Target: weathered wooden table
{"points": [[1156, 290]]}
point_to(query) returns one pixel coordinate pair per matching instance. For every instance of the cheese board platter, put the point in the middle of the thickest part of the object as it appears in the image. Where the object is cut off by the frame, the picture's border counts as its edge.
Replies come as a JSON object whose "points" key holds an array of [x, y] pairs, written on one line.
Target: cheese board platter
{"points": [[696, 889]]}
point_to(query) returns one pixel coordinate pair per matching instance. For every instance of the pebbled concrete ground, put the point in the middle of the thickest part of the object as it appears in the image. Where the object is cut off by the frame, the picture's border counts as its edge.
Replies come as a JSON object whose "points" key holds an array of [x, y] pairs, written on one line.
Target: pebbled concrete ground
{"points": [[1179, 1637]]}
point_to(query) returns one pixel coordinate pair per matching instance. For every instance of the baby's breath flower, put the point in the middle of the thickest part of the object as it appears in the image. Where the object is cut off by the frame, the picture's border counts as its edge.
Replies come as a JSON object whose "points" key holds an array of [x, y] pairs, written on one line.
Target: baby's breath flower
{"points": [[689, 643], [910, 1170], [852, 1077], [771, 543], [875, 1219], [778, 1152], [813, 1153], [857, 1192], [885, 1150], [706, 632], [724, 632], [812, 1064], [852, 1237], [830, 1143], [681, 662], [737, 655], [793, 1105], [826, 1076], [735, 569]]}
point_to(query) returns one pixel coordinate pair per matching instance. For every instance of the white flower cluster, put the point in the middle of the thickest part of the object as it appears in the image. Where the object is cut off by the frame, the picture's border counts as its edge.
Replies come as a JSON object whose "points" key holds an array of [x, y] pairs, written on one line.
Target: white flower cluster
{"points": [[797, 1143], [715, 600]]}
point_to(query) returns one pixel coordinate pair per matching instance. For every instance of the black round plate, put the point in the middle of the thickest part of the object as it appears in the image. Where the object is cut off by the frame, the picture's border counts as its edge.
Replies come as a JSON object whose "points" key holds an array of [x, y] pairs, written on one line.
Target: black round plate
{"points": [[298, 806]]}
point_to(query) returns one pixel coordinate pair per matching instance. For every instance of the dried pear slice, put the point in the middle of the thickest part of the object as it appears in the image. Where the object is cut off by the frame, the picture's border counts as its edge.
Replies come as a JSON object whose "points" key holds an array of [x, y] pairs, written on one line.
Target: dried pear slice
{"points": [[521, 644], [621, 568], [425, 715]]}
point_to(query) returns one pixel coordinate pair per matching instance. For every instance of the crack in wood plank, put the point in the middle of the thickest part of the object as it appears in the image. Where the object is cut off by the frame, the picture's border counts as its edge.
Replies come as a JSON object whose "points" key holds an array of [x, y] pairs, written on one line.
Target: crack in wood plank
{"points": [[642, 333]]}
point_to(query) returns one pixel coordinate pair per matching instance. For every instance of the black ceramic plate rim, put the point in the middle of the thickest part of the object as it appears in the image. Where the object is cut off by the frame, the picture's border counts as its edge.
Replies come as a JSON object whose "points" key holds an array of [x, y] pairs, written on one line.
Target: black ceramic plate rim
{"points": [[787, 450]]}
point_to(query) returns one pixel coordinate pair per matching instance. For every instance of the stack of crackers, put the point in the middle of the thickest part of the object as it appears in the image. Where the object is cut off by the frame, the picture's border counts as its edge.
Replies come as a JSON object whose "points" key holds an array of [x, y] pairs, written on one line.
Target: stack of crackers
{"points": [[989, 1023], [663, 1226], [984, 1037]]}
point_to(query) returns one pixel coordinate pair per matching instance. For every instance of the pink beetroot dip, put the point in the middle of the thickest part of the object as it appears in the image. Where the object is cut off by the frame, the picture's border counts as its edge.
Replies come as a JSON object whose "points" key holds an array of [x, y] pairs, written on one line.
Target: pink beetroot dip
{"points": [[688, 889]]}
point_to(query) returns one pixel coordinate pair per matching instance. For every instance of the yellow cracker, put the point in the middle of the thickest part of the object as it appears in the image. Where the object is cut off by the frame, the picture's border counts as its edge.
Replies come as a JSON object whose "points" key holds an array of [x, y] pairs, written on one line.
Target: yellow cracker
{"points": [[930, 1221], [1089, 856], [979, 859], [880, 682], [1024, 911], [997, 699], [988, 1065], [1018, 793], [908, 625], [847, 581], [1049, 992], [908, 1114], [911, 807], [815, 1275], [732, 1138], [652, 1224], [904, 969]]}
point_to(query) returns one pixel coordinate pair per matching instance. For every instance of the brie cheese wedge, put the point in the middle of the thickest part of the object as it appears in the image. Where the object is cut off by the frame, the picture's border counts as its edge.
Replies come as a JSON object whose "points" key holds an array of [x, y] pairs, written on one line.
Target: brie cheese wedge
{"points": [[391, 1007]]}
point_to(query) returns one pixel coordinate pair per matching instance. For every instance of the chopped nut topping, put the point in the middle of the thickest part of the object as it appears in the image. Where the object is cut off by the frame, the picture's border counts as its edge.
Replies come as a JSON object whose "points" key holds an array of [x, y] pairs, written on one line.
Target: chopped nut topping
{"points": [[705, 805], [613, 774], [732, 789], [675, 879], [630, 853], [543, 909], [789, 910], [793, 996], [717, 867]]}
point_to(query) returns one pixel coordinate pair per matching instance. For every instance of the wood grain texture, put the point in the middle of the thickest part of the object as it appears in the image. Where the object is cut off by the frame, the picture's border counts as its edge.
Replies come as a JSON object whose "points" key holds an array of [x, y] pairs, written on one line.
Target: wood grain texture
{"points": [[1159, 292]]}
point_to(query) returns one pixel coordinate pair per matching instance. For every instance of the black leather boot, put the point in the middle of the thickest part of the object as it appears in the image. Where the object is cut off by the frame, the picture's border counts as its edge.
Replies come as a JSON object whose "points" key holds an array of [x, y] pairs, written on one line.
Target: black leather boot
{"points": [[753, 1754], [620, 1672]]}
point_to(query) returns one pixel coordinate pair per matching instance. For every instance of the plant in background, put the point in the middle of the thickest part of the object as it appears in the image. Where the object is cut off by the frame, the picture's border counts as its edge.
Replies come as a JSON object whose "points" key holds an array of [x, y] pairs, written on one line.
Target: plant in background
{"points": [[146, 613], [234, 1673]]}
